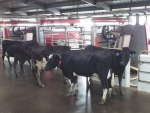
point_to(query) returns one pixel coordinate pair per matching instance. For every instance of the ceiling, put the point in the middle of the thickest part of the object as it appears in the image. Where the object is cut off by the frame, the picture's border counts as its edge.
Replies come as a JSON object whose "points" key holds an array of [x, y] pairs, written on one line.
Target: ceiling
{"points": [[72, 8]]}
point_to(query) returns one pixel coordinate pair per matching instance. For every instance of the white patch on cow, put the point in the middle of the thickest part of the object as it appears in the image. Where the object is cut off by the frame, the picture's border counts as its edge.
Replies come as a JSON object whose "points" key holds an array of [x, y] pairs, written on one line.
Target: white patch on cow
{"points": [[104, 94], [112, 80], [41, 64], [94, 74], [50, 56], [6, 54], [75, 74], [109, 75]]}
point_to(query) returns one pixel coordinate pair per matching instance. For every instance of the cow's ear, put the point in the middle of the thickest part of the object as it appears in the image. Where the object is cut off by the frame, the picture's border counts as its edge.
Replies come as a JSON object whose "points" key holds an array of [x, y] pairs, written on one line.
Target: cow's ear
{"points": [[132, 53], [117, 53]]}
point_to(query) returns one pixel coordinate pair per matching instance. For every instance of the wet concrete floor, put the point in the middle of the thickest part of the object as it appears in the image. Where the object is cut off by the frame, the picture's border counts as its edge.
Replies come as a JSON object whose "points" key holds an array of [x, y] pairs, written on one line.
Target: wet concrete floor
{"points": [[20, 94]]}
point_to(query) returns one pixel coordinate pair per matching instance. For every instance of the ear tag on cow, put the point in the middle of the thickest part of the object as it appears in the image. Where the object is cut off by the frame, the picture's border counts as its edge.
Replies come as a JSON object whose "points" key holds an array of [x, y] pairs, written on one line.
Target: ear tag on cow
{"points": [[133, 55], [117, 54]]}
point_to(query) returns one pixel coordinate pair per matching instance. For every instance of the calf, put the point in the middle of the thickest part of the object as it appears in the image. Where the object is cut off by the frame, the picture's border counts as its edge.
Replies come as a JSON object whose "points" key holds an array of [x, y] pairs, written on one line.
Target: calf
{"points": [[39, 56], [121, 59], [84, 63]]}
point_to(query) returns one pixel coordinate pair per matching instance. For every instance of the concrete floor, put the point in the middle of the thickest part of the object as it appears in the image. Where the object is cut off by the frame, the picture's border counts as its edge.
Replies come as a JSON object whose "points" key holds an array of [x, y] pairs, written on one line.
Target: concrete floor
{"points": [[20, 94]]}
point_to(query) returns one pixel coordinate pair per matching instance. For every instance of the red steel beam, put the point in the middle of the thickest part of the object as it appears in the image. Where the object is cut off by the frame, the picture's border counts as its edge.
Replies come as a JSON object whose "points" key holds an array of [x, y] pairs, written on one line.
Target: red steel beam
{"points": [[71, 21], [106, 19], [17, 22]]}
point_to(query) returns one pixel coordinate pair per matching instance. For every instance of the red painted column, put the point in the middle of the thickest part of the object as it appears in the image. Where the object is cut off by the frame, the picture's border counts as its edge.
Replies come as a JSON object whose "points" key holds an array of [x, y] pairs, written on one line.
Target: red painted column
{"points": [[5, 33]]}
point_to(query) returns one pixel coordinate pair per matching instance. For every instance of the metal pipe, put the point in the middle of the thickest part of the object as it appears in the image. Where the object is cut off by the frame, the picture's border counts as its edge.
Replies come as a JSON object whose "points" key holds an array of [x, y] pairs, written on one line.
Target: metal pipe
{"points": [[66, 37], [51, 36]]}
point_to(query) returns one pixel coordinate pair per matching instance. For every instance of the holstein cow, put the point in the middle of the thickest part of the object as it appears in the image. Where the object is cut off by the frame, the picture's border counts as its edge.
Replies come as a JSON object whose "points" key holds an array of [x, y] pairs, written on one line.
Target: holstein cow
{"points": [[22, 53], [58, 50], [84, 63], [39, 59], [121, 59]]}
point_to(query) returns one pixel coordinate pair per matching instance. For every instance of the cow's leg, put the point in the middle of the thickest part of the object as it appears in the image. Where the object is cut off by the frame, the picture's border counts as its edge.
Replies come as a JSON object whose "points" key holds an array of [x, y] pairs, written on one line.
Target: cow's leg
{"points": [[120, 85], [110, 84], [21, 61], [33, 69], [104, 96], [71, 88], [29, 62], [38, 77], [89, 81], [15, 63], [76, 85], [65, 80], [21, 65], [9, 60], [3, 56], [105, 87], [110, 88], [113, 84]]}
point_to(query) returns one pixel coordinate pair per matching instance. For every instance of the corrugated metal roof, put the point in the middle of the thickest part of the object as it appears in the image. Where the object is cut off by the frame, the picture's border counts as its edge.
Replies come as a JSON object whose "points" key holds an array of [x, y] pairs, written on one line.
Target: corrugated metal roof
{"points": [[41, 7], [123, 1], [75, 6], [55, 1]]}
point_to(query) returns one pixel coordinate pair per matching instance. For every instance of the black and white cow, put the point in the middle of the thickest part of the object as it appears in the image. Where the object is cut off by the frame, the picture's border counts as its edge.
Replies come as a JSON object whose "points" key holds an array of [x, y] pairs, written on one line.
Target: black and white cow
{"points": [[58, 50], [121, 59], [84, 63], [39, 56]]}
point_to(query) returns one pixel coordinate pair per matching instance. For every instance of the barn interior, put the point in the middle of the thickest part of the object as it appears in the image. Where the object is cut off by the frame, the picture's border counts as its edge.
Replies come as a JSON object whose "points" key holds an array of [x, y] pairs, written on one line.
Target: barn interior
{"points": [[76, 23]]}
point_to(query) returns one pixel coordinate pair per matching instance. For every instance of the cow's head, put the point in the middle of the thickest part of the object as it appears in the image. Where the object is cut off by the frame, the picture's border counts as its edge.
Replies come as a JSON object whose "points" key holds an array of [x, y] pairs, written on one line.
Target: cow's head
{"points": [[124, 55], [54, 61]]}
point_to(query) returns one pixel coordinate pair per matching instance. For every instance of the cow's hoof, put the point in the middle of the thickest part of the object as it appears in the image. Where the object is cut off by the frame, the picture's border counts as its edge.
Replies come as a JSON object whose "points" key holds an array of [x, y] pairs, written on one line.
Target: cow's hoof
{"points": [[122, 93], [113, 93], [3, 66], [102, 102]]}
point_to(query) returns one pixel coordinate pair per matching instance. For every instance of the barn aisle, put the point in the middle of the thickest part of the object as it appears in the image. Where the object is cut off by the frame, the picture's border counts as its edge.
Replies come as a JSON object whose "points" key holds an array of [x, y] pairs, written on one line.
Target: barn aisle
{"points": [[20, 94]]}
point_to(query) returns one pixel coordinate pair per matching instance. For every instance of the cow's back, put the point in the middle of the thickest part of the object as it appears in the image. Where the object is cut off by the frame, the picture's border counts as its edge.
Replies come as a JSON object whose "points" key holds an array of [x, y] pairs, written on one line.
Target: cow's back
{"points": [[57, 49], [84, 62]]}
